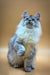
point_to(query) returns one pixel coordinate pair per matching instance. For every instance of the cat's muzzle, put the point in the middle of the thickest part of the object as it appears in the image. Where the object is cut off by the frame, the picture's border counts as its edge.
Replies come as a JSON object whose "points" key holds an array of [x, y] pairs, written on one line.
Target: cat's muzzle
{"points": [[29, 23]]}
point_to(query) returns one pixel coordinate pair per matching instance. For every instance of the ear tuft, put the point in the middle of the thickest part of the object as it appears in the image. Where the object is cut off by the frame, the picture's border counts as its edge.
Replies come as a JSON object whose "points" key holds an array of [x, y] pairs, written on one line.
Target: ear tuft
{"points": [[25, 14], [37, 16]]}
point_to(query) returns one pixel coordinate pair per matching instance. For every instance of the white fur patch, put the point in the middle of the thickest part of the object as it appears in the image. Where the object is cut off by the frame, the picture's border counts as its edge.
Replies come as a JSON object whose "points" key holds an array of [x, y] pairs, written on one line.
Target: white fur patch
{"points": [[28, 35]]}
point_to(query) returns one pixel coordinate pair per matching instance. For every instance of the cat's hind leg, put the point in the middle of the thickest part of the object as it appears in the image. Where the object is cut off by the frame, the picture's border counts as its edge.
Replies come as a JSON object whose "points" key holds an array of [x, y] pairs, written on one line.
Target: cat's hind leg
{"points": [[16, 66], [28, 66], [34, 57]]}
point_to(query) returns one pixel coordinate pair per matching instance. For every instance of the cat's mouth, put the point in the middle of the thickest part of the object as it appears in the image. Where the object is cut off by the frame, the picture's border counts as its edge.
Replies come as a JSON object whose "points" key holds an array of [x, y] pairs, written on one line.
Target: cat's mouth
{"points": [[29, 25]]}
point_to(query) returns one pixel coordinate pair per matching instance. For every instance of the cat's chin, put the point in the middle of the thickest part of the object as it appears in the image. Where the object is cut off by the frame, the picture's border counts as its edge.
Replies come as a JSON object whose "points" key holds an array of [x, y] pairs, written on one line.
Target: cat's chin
{"points": [[29, 27]]}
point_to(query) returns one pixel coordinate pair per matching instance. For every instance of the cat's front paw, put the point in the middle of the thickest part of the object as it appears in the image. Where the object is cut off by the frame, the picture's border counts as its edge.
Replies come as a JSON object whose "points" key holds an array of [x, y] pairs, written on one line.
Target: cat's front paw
{"points": [[20, 53], [27, 69]]}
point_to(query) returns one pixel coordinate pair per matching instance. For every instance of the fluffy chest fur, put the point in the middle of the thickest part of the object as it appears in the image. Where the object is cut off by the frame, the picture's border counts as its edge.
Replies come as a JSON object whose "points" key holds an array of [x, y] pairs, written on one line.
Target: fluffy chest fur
{"points": [[28, 36]]}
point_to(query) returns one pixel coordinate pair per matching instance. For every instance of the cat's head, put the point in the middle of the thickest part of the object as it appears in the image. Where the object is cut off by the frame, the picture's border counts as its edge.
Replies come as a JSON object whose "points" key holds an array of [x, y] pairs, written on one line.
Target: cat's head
{"points": [[31, 21]]}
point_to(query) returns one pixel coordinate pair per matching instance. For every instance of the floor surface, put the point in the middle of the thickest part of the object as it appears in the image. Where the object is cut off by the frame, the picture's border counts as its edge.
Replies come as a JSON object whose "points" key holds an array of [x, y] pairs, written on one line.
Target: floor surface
{"points": [[42, 64]]}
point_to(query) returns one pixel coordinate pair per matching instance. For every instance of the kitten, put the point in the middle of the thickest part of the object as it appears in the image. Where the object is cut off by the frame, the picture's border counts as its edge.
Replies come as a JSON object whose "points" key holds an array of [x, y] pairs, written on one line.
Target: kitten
{"points": [[22, 46]]}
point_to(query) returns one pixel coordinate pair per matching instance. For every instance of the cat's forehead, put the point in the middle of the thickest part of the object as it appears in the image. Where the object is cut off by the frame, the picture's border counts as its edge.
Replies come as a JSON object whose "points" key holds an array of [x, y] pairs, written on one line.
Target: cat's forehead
{"points": [[31, 16]]}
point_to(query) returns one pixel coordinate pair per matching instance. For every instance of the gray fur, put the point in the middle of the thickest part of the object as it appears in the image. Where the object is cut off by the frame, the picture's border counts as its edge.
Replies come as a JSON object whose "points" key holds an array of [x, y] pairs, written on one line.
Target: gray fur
{"points": [[22, 46], [15, 56]]}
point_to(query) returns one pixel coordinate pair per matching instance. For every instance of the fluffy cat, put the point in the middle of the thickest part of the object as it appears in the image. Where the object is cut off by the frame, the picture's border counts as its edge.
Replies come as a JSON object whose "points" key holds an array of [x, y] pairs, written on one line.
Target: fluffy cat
{"points": [[22, 46]]}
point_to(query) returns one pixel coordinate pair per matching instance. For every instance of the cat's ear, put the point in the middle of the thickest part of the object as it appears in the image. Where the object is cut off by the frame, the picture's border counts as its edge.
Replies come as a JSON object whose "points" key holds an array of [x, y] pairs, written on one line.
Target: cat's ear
{"points": [[25, 14], [37, 16]]}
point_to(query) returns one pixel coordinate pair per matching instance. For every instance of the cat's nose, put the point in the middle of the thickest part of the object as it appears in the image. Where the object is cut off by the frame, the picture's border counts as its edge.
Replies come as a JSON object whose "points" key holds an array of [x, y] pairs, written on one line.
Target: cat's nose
{"points": [[29, 20]]}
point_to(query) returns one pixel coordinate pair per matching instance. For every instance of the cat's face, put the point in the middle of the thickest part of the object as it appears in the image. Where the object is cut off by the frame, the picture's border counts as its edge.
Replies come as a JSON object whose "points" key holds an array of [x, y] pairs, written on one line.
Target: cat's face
{"points": [[31, 21]]}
